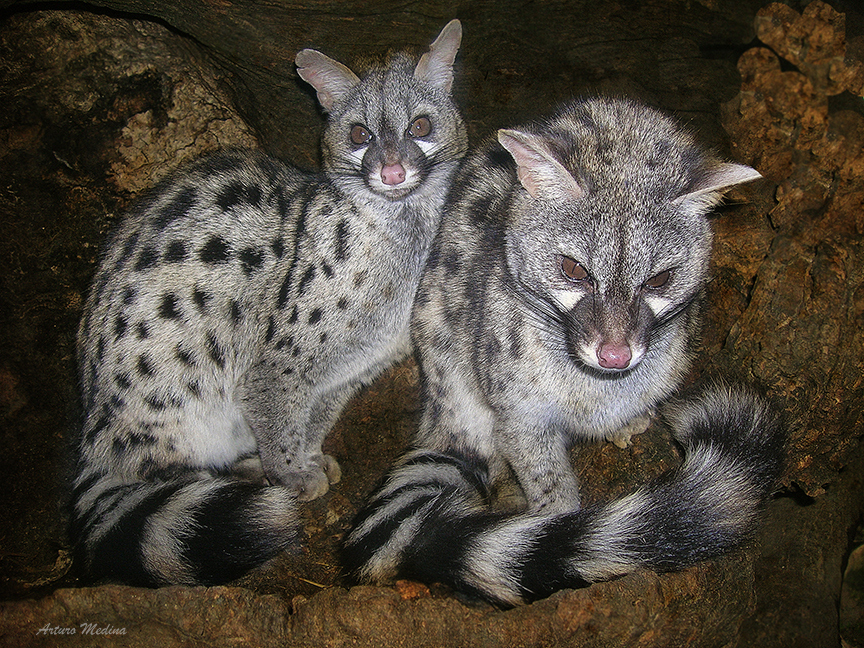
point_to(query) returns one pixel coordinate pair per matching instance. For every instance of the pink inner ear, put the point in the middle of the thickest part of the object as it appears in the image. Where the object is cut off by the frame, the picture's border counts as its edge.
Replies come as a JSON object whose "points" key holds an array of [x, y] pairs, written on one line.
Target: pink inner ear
{"points": [[542, 176], [526, 179], [720, 179], [330, 78]]}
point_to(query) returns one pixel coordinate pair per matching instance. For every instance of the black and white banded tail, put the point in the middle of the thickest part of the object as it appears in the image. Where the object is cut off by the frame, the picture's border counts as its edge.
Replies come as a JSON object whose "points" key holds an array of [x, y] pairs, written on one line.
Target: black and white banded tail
{"points": [[431, 521], [189, 531]]}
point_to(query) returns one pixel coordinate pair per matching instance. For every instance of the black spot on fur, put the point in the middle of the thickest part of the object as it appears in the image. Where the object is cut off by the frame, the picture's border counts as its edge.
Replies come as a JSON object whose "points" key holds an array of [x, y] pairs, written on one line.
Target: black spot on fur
{"points": [[236, 193], [278, 247], [481, 209], [341, 238], [299, 234], [452, 262], [118, 446], [168, 307], [201, 298], [177, 208], [315, 316], [216, 250], [492, 347], [86, 485], [100, 424], [452, 317], [253, 195], [140, 439], [285, 342], [122, 380], [284, 290], [120, 325], [251, 259], [155, 403], [184, 356], [307, 277], [236, 313], [175, 252], [142, 331], [434, 258], [282, 207], [271, 329], [214, 350], [129, 246], [498, 158], [515, 343], [147, 259], [144, 366], [342, 304]]}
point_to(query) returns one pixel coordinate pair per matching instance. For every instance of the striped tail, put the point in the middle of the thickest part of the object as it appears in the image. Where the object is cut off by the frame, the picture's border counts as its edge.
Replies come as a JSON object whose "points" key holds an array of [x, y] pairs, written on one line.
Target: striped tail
{"points": [[184, 531], [431, 520]]}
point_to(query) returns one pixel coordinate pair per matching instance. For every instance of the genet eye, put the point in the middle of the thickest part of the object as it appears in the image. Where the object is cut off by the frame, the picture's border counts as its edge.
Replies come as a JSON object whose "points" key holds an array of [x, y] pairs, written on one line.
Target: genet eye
{"points": [[360, 134], [658, 280], [573, 270], [420, 127]]}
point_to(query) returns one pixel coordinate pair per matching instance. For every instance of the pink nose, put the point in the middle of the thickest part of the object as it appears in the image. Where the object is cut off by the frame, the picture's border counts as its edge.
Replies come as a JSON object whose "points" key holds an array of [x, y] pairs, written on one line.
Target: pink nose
{"points": [[614, 356], [392, 174]]}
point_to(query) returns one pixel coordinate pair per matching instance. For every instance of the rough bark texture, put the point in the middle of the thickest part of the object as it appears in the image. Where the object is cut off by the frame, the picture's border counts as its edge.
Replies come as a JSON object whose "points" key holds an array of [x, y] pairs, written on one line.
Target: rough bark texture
{"points": [[101, 101]]}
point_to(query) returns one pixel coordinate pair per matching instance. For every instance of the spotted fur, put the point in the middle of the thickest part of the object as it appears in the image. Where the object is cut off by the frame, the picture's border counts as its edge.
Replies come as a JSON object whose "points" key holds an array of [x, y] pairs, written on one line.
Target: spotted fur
{"points": [[560, 304], [234, 313]]}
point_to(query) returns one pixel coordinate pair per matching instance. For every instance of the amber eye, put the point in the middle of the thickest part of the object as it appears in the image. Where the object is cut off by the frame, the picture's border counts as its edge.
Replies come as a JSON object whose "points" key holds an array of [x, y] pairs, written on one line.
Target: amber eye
{"points": [[420, 127], [573, 270], [360, 134], [658, 280]]}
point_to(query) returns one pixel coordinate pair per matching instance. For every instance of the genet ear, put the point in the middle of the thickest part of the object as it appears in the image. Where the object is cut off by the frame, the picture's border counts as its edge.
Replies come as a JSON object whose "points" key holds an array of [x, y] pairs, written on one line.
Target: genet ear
{"points": [[711, 185], [331, 79], [542, 176], [436, 65]]}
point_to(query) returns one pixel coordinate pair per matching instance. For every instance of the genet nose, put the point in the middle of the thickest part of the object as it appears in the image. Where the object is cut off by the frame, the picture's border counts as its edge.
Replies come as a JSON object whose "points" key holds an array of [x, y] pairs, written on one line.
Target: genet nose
{"points": [[392, 174]]}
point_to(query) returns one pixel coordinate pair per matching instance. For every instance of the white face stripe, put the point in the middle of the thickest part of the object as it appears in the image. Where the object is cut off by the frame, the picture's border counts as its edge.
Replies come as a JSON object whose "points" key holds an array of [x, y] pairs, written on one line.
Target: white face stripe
{"points": [[656, 304], [358, 155], [426, 147], [568, 299]]}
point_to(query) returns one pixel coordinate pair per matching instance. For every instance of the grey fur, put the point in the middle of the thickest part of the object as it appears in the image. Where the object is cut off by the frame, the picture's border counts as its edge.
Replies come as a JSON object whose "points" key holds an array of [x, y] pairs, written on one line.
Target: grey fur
{"points": [[237, 310], [559, 304]]}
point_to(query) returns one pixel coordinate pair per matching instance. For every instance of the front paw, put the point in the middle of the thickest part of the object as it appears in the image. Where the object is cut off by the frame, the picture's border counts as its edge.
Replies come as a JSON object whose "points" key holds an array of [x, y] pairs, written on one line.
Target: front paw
{"points": [[312, 479], [637, 425]]}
